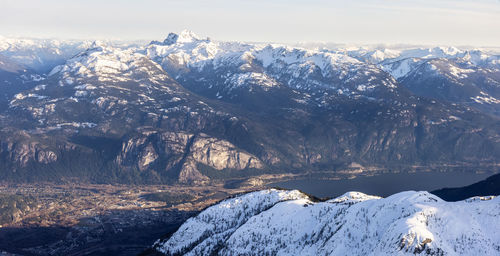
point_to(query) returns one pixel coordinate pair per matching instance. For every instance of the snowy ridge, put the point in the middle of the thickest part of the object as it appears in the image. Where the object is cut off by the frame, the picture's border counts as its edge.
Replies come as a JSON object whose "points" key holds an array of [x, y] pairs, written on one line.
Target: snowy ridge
{"points": [[401, 68], [190, 49], [217, 223], [458, 80], [106, 63], [387, 53], [289, 223], [399, 62]]}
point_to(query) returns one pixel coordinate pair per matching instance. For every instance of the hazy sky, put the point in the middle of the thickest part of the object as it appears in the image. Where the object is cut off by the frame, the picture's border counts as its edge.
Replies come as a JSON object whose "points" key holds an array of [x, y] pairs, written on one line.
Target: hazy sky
{"points": [[451, 22]]}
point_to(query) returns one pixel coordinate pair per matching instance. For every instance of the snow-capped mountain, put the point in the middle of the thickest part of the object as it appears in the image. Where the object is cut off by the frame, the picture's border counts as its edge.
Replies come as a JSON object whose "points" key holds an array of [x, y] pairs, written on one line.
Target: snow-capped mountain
{"points": [[458, 81], [400, 61], [216, 68], [381, 54], [464, 76], [220, 69], [274, 222], [190, 109]]}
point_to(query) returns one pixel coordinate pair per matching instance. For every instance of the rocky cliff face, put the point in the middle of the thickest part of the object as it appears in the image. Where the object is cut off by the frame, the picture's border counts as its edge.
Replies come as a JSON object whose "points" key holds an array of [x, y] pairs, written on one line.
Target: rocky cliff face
{"points": [[23, 153], [221, 154], [23, 150], [183, 153]]}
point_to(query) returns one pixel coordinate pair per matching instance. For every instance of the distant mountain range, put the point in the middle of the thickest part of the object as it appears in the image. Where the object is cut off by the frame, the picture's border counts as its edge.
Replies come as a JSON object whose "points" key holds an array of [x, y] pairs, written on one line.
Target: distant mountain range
{"points": [[190, 110], [273, 222]]}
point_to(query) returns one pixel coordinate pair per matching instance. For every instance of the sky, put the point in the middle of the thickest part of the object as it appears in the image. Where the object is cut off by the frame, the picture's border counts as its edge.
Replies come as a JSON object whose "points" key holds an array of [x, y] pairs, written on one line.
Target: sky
{"points": [[444, 22]]}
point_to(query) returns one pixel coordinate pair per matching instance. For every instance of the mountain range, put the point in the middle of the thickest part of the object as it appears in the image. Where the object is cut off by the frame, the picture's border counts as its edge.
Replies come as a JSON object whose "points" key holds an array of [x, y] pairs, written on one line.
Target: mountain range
{"points": [[191, 110]]}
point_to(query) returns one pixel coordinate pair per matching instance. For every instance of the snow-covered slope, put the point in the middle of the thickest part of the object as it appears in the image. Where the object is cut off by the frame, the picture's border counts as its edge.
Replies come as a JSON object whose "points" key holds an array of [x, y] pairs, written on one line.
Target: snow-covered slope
{"points": [[273, 222]]}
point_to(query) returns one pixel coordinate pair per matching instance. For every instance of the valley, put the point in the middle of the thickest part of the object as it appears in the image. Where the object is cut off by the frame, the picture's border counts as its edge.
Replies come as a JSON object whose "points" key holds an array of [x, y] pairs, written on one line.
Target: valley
{"points": [[97, 219]]}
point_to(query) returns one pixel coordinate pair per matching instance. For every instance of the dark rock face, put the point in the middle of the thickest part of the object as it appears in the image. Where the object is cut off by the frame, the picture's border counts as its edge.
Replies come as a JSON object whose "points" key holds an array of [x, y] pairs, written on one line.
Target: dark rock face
{"points": [[156, 115]]}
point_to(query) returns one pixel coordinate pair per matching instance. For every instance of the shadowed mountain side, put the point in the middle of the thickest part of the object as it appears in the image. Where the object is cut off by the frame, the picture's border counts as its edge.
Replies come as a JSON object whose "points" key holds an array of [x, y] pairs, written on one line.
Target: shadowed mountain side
{"points": [[487, 187]]}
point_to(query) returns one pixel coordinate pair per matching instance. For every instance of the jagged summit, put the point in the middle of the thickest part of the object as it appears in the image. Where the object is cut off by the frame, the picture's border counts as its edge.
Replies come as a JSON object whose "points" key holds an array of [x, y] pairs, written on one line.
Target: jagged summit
{"points": [[186, 36], [95, 46], [98, 44], [171, 39]]}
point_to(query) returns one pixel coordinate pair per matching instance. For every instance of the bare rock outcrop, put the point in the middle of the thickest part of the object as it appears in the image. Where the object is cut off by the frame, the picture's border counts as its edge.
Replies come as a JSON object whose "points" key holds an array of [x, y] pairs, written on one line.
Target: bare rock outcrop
{"points": [[185, 152], [23, 152], [221, 154]]}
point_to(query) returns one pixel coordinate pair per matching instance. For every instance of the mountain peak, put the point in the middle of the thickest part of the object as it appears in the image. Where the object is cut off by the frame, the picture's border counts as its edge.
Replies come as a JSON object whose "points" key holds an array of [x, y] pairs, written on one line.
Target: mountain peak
{"points": [[97, 45], [188, 36], [171, 39]]}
